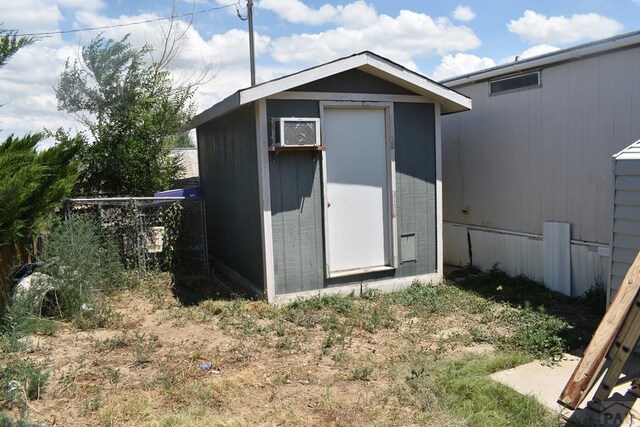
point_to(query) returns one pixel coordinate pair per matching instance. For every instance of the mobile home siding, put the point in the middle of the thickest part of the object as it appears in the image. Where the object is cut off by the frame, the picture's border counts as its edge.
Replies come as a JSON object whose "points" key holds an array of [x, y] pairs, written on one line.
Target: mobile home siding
{"points": [[297, 206], [521, 158], [228, 172]]}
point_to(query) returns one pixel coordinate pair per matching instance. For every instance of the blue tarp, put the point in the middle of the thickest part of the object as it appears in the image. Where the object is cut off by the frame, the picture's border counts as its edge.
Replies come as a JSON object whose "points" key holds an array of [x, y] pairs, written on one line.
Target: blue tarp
{"points": [[189, 193]]}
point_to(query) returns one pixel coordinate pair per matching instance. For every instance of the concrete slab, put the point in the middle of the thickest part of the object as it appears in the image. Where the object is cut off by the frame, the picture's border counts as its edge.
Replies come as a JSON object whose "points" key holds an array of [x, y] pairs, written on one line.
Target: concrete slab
{"points": [[545, 382]]}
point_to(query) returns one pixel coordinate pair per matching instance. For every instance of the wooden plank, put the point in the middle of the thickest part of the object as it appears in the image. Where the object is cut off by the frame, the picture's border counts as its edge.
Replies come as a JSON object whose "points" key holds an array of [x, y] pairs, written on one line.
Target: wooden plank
{"points": [[586, 372], [619, 353], [298, 148]]}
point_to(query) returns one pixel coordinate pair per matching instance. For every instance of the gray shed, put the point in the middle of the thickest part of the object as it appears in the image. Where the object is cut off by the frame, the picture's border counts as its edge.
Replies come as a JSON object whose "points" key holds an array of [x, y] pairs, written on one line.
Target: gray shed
{"points": [[327, 180], [625, 241]]}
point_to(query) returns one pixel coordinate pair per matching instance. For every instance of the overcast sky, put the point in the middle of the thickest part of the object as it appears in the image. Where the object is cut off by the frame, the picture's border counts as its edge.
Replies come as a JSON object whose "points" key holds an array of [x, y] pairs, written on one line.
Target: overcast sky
{"points": [[436, 38]]}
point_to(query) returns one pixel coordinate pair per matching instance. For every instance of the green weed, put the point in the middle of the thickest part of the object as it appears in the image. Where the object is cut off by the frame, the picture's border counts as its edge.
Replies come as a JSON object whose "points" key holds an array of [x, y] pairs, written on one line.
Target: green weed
{"points": [[362, 373], [462, 387], [20, 382], [143, 346]]}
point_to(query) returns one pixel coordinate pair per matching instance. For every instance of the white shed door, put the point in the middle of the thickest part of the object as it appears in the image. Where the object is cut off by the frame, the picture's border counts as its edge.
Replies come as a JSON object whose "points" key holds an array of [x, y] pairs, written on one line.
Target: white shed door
{"points": [[356, 189]]}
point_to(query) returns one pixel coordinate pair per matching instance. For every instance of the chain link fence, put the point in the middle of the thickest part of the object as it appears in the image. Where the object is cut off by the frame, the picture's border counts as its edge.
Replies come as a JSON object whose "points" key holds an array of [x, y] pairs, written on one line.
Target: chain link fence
{"points": [[164, 233]]}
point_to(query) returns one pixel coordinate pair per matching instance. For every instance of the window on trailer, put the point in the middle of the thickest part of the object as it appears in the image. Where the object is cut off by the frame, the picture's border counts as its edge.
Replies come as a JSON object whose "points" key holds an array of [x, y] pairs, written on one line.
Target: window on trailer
{"points": [[513, 83]]}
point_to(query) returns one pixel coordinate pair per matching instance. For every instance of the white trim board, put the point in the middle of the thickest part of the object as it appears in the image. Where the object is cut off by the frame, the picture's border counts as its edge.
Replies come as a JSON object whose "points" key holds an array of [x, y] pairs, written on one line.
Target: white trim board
{"points": [[264, 191], [388, 285], [348, 96], [367, 62], [439, 212]]}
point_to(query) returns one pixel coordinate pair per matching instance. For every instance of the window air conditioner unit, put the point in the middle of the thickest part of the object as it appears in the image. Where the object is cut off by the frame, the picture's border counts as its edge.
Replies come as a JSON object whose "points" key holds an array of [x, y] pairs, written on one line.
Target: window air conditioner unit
{"points": [[295, 132]]}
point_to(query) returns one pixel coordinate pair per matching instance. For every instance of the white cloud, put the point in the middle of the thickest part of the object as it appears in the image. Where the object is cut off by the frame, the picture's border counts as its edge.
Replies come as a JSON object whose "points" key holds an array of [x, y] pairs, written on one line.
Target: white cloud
{"points": [[27, 81], [537, 50], [400, 39], [297, 12], [26, 90], [81, 4], [531, 52], [459, 64], [353, 15], [538, 28], [464, 13], [357, 15]]}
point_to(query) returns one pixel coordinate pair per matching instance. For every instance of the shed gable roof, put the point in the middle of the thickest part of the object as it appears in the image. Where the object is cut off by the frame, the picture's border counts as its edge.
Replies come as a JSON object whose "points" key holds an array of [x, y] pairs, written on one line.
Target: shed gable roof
{"points": [[368, 62]]}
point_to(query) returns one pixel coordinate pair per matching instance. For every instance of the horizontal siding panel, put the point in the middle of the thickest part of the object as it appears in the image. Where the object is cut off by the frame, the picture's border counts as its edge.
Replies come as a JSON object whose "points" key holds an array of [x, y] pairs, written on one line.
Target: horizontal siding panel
{"points": [[624, 255], [613, 287], [627, 167], [627, 227], [626, 197], [619, 268], [631, 182], [626, 241], [627, 212], [588, 268]]}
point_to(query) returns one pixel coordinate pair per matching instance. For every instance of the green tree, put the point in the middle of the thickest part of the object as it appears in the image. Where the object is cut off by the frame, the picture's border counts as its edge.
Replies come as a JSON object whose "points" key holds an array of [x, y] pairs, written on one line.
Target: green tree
{"points": [[10, 43], [33, 183], [134, 112]]}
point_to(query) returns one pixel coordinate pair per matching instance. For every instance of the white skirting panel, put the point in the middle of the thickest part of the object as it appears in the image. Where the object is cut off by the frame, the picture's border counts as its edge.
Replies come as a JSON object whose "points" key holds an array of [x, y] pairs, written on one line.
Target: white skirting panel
{"points": [[456, 247], [557, 256], [515, 255], [523, 254]]}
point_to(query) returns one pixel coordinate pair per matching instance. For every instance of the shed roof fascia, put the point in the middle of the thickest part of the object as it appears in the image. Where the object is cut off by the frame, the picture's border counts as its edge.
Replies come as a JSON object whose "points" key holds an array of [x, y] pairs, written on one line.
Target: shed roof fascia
{"points": [[573, 53], [629, 153], [368, 62]]}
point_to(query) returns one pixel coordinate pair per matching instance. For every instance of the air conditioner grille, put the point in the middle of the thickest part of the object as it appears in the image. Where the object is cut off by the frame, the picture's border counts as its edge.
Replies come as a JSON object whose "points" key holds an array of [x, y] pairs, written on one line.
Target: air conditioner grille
{"points": [[300, 132]]}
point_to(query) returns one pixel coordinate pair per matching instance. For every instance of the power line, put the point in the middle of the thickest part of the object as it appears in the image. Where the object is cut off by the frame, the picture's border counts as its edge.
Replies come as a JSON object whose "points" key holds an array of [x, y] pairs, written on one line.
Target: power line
{"points": [[147, 21]]}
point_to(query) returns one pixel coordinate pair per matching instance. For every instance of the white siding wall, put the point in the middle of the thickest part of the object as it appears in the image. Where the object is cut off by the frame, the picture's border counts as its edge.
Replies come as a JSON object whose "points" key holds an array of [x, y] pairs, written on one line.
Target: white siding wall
{"points": [[521, 158], [626, 219]]}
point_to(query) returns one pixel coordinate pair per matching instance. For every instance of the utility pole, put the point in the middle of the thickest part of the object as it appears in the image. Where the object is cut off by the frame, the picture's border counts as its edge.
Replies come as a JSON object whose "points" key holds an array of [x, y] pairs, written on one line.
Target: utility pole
{"points": [[251, 49]]}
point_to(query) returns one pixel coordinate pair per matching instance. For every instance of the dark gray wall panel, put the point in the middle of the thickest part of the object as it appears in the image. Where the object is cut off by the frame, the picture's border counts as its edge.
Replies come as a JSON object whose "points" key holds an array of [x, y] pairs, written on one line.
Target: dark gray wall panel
{"points": [[296, 208], [415, 183], [229, 175], [296, 201], [353, 81]]}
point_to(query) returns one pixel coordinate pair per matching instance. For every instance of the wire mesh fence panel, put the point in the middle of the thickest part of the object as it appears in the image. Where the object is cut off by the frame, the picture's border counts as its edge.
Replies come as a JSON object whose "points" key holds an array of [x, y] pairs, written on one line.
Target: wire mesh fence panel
{"points": [[150, 233]]}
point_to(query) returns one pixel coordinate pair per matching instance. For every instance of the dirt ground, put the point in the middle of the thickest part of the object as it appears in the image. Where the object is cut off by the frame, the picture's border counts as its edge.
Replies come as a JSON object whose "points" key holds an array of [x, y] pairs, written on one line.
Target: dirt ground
{"points": [[238, 362]]}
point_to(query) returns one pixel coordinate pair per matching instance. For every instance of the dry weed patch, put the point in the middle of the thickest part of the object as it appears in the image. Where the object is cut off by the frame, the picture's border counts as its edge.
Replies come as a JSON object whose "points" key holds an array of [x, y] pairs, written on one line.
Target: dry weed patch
{"points": [[420, 356]]}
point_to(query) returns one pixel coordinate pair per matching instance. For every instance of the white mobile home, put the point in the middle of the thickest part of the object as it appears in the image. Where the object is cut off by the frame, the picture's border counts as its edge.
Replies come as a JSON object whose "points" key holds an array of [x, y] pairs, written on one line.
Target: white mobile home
{"points": [[527, 174]]}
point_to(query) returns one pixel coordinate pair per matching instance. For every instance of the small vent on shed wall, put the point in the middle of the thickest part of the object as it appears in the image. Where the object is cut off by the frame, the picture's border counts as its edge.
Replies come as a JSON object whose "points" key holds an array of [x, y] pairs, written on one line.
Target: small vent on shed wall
{"points": [[407, 247]]}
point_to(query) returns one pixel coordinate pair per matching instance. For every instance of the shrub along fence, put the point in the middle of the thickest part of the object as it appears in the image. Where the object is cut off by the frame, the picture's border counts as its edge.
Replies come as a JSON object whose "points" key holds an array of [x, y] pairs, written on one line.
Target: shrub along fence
{"points": [[150, 233]]}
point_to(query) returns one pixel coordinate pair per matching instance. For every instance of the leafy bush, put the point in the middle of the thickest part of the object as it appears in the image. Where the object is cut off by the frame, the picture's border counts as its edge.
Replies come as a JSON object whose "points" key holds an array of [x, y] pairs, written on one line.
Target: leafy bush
{"points": [[79, 268], [538, 333], [33, 182]]}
